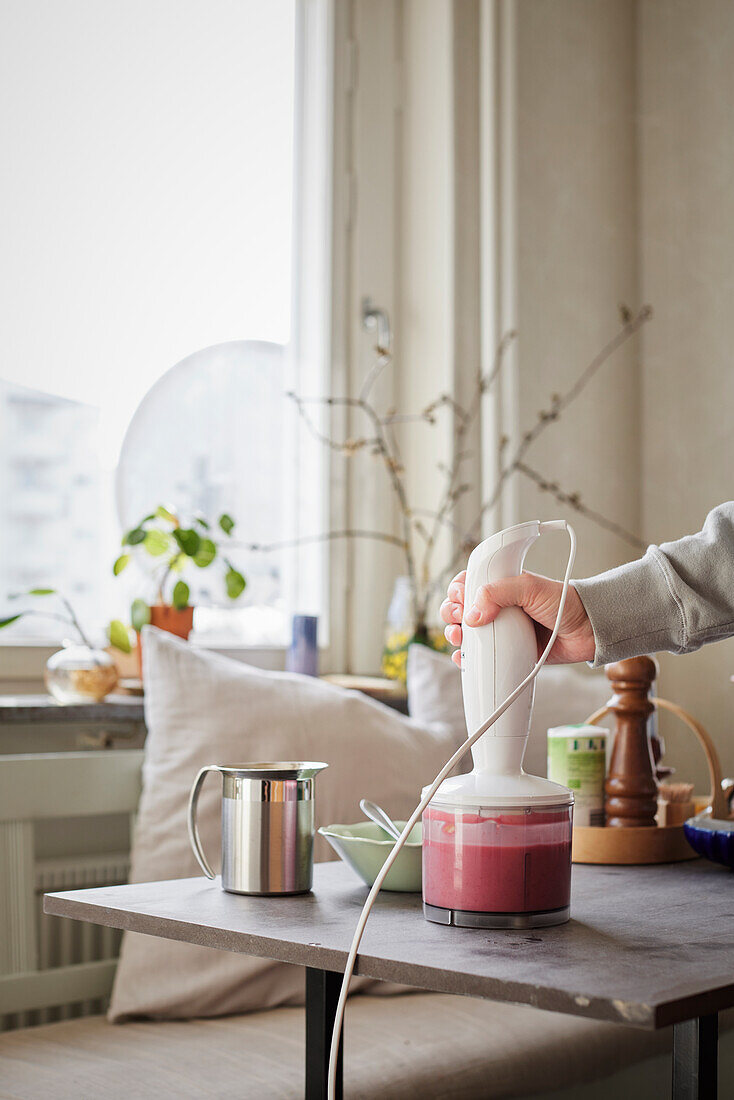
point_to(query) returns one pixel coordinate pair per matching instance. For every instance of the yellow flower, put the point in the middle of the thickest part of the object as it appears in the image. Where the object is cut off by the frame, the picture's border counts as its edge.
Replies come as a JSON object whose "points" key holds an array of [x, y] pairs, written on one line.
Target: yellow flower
{"points": [[395, 652]]}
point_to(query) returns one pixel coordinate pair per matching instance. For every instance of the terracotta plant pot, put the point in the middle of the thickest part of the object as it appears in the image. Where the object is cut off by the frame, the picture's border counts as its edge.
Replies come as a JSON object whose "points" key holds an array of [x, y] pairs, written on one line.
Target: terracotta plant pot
{"points": [[172, 619]]}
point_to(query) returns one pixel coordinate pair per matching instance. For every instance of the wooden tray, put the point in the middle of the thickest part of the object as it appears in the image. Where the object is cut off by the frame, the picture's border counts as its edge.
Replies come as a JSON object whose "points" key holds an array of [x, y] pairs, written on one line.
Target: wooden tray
{"points": [[628, 846], [666, 844]]}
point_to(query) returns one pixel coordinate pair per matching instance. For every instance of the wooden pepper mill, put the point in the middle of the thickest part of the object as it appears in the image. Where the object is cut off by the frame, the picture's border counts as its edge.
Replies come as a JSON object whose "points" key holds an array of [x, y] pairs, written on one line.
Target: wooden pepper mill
{"points": [[631, 788]]}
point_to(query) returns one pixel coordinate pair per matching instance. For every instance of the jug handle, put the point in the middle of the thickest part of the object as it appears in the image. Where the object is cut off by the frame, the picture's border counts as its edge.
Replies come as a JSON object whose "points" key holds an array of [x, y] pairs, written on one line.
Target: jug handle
{"points": [[193, 829]]}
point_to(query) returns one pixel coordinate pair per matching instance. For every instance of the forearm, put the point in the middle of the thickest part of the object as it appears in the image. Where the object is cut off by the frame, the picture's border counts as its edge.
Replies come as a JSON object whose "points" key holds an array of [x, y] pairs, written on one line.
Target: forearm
{"points": [[679, 596]]}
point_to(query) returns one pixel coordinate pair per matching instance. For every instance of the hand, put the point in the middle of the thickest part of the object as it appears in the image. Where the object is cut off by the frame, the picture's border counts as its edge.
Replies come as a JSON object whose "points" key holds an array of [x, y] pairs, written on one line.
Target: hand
{"points": [[539, 598]]}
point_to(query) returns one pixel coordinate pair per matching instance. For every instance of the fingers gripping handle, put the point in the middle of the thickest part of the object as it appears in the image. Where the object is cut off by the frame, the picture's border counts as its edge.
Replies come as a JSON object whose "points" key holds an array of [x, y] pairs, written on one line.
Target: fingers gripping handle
{"points": [[193, 829]]}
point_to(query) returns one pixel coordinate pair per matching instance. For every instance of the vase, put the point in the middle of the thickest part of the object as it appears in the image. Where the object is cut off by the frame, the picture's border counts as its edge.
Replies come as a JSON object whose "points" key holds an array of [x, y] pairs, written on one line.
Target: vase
{"points": [[79, 674], [303, 652], [402, 631], [174, 620]]}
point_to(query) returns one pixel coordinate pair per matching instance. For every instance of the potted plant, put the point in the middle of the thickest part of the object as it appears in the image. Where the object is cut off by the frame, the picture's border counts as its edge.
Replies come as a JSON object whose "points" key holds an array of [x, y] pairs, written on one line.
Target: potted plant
{"points": [[172, 547], [78, 672]]}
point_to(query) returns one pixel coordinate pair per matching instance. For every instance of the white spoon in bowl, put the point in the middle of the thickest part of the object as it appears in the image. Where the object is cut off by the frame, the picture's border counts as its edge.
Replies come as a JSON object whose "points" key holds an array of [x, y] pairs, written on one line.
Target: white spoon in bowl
{"points": [[377, 814]]}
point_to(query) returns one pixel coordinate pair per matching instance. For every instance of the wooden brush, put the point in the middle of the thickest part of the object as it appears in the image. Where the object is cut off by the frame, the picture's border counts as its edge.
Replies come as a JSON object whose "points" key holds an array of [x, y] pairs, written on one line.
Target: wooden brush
{"points": [[675, 803]]}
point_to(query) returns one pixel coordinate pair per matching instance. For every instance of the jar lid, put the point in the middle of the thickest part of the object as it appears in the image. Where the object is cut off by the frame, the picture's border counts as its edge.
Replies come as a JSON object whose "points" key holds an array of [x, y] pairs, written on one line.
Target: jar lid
{"points": [[480, 790], [278, 769], [581, 730]]}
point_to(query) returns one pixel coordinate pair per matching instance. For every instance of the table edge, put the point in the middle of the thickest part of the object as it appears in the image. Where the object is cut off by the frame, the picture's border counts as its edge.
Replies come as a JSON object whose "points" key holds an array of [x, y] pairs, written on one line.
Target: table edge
{"points": [[631, 1014]]}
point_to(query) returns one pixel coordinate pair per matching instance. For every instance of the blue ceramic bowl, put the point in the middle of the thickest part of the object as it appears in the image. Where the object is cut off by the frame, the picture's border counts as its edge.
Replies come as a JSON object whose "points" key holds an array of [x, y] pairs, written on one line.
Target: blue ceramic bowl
{"points": [[712, 839]]}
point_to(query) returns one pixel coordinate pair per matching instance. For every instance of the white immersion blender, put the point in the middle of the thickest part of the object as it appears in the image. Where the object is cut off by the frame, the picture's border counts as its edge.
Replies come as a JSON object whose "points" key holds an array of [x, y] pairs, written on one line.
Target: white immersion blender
{"points": [[497, 841], [523, 790]]}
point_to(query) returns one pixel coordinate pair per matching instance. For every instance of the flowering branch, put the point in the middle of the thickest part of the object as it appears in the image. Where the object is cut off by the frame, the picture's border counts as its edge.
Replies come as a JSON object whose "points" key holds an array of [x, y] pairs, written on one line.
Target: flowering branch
{"points": [[559, 404], [326, 536], [573, 500], [381, 442]]}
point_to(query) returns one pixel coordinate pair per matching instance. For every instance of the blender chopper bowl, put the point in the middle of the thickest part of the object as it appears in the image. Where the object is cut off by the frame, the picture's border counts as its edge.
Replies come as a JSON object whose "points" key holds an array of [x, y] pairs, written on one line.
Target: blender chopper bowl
{"points": [[497, 841], [497, 867]]}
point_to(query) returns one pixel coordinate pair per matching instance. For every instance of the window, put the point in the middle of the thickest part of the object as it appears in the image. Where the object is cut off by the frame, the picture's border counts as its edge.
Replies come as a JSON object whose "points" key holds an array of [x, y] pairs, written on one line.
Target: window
{"points": [[147, 213]]}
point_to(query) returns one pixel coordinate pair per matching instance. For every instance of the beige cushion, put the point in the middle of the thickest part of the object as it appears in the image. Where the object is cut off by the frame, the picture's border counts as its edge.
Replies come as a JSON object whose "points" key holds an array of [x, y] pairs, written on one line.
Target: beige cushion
{"points": [[564, 694], [426, 1046], [202, 708]]}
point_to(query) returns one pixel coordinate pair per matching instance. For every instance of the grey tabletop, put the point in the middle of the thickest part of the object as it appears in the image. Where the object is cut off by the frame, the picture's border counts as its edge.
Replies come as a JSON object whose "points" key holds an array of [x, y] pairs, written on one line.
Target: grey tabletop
{"points": [[42, 708], [646, 946]]}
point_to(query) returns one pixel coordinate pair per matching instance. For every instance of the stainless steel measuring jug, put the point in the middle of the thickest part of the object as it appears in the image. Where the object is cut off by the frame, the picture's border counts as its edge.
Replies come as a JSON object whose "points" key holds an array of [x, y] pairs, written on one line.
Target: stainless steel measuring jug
{"points": [[267, 826]]}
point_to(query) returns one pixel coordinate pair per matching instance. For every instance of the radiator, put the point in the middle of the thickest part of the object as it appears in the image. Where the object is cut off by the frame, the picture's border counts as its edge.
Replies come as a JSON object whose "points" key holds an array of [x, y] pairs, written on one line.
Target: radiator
{"points": [[64, 942]]}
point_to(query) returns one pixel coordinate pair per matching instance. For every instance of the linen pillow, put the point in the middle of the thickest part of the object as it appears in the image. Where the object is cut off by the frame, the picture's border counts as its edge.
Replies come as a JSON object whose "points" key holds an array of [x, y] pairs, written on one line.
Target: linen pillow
{"points": [[201, 708], [563, 694]]}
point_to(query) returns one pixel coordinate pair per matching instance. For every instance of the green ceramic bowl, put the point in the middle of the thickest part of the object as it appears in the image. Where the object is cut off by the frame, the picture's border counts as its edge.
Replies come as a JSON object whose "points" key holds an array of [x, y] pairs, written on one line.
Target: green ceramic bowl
{"points": [[365, 847]]}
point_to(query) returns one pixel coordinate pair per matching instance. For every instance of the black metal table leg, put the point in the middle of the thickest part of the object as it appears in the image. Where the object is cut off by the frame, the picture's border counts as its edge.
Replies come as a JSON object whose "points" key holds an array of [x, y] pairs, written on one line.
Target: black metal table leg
{"points": [[322, 994], [695, 1058]]}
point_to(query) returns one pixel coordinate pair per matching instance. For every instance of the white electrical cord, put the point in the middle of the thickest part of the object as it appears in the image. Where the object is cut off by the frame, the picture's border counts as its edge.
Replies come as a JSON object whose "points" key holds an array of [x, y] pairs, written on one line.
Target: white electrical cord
{"points": [[557, 525]]}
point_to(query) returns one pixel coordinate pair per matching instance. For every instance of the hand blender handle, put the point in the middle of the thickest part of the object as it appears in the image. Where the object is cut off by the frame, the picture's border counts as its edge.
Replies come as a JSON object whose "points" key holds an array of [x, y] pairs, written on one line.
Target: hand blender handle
{"points": [[497, 657]]}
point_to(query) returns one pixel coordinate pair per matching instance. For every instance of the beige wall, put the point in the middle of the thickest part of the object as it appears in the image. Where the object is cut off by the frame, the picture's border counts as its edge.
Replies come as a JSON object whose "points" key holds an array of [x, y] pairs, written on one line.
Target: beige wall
{"points": [[686, 137], [624, 191], [575, 215]]}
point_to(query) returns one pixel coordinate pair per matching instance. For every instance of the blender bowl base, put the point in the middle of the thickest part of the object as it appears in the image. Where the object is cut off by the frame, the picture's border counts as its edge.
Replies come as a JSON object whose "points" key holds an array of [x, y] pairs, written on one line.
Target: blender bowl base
{"points": [[465, 918]]}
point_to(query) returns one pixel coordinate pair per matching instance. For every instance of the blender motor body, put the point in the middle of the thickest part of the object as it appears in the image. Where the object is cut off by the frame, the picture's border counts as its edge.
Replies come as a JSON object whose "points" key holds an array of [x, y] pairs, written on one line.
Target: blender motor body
{"points": [[497, 841]]}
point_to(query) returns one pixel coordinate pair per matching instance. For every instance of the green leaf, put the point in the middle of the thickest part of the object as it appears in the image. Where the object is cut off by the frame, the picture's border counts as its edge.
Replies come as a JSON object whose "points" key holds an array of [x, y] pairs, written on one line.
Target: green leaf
{"points": [[202, 522], [156, 542], [118, 635], [188, 540], [139, 614], [10, 619], [180, 595], [41, 591], [120, 564], [235, 583], [134, 537], [177, 563], [165, 513], [206, 553], [226, 523]]}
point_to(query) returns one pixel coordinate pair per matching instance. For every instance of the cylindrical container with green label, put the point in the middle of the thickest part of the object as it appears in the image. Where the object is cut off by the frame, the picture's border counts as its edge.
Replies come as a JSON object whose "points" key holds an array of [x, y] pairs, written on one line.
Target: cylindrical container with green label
{"points": [[577, 758]]}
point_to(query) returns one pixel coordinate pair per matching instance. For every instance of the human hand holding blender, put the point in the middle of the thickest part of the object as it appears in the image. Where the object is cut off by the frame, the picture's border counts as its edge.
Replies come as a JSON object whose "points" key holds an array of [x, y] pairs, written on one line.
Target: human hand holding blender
{"points": [[539, 598], [678, 596]]}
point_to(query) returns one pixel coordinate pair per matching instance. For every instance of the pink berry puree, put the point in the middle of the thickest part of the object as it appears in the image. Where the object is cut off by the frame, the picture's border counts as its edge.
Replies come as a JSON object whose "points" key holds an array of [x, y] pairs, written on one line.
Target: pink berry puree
{"points": [[497, 862]]}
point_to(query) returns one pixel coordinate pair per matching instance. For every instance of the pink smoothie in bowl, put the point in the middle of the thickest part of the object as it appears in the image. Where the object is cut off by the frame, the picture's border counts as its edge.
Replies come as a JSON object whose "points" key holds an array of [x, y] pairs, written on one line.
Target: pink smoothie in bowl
{"points": [[497, 861]]}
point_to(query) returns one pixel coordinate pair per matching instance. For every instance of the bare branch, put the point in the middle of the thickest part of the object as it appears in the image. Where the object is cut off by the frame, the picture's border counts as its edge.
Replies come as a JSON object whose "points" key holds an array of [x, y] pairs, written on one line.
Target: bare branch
{"points": [[327, 536], [74, 620], [445, 400], [558, 405], [448, 501], [487, 382], [381, 445], [405, 418], [430, 514], [346, 447], [573, 500], [384, 357]]}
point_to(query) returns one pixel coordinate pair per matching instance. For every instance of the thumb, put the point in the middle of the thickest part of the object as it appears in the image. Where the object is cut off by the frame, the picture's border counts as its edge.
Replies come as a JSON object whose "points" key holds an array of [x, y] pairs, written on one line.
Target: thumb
{"points": [[491, 598]]}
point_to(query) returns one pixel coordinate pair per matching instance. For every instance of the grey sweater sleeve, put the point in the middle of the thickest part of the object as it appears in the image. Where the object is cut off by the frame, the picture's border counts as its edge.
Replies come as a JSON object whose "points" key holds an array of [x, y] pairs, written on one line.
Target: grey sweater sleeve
{"points": [[679, 596]]}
